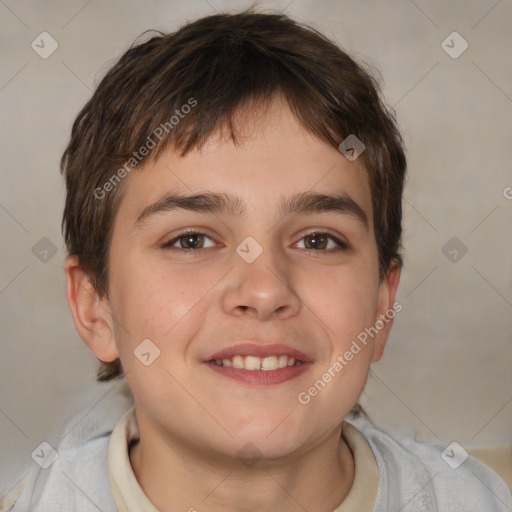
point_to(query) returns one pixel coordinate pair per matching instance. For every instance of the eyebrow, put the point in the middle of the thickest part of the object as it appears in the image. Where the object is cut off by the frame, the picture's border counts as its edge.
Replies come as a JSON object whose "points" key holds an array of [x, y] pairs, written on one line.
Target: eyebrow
{"points": [[223, 203]]}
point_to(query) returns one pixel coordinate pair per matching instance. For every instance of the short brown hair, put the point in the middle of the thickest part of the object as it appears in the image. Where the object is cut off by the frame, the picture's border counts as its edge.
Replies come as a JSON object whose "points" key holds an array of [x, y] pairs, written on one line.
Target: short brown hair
{"points": [[221, 63]]}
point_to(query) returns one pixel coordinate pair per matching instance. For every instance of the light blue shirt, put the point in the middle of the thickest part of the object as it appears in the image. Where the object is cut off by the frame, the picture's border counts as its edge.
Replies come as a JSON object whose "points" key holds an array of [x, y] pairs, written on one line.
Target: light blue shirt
{"points": [[412, 475]]}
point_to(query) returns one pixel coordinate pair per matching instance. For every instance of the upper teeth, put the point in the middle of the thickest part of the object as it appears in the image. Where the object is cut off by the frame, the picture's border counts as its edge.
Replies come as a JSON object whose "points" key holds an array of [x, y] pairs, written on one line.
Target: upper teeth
{"points": [[257, 363]]}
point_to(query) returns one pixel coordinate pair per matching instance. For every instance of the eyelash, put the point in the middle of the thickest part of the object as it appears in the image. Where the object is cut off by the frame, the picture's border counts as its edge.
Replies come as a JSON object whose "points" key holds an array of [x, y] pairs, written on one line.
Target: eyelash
{"points": [[342, 246]]}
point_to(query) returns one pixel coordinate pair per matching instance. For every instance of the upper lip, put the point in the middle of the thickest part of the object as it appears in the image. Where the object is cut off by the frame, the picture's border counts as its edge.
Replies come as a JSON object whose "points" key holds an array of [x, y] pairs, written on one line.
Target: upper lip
{"points": [[259, 350]]}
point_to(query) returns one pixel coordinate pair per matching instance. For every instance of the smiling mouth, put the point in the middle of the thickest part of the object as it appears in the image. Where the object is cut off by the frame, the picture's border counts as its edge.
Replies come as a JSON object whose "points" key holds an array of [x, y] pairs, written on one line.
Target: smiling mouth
{"points": [[273, 362]]}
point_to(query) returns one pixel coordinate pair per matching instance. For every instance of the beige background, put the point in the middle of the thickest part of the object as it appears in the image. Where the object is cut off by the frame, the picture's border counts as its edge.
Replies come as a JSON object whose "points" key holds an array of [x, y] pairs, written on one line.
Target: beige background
{"points": [[446, 374]]}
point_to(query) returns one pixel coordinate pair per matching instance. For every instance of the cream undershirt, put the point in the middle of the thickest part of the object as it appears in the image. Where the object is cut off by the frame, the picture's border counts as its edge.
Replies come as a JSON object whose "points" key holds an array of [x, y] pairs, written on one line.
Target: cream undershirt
{"points": [[129, 497]]}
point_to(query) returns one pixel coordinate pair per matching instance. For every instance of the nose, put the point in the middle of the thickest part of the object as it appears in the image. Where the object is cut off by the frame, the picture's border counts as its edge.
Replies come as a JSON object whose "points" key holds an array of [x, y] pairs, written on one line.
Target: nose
{"points": [[262, 289]]}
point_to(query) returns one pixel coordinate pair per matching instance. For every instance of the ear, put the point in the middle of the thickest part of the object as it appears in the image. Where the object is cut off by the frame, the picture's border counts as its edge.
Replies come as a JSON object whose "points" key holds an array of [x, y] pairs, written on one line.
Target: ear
{"points": [[91, 314], [385, 309]]}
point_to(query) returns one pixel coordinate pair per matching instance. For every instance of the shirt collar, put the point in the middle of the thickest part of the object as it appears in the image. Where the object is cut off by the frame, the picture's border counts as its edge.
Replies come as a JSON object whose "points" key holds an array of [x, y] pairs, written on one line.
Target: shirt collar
{"points": [[129, 497]]}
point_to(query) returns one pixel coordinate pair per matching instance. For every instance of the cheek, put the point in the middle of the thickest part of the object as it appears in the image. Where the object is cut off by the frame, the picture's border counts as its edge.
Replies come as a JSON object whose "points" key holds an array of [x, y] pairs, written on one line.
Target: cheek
{"points": [[158, 303], [346, 307], [346, 302]]}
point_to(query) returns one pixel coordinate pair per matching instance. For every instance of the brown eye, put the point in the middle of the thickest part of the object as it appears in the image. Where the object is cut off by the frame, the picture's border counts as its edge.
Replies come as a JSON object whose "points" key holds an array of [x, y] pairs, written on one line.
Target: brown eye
{"points": [[188, 241], [316, 241], [191, 241], [319, 241]]}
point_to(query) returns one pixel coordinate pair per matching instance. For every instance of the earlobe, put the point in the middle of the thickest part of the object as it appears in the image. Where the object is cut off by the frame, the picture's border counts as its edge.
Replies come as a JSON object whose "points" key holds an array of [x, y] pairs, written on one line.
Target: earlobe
{"points": [[386, 308], [91, 314]]}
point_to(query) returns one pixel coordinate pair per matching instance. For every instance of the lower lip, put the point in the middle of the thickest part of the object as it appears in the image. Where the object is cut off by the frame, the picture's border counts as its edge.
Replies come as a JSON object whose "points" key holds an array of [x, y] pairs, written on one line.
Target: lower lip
{"points": [[261, 377]]}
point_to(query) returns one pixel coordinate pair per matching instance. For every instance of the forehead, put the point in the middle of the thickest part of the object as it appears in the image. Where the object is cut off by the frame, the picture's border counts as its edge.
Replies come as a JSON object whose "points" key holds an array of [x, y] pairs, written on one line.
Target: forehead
{"points": [[274, 156]]}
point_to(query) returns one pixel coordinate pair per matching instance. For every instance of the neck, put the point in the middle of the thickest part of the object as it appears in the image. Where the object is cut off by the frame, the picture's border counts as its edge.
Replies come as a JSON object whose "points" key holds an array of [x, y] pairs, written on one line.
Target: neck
{"points": [[177, 477]]}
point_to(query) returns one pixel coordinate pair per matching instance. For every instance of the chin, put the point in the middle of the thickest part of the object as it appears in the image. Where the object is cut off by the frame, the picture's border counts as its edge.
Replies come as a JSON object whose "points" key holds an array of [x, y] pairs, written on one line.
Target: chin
{"points": [[269, 440]]}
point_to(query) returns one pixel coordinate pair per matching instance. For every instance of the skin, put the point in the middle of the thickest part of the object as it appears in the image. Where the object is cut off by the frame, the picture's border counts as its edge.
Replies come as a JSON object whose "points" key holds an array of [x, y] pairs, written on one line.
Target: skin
{"points": [[193, 422]]}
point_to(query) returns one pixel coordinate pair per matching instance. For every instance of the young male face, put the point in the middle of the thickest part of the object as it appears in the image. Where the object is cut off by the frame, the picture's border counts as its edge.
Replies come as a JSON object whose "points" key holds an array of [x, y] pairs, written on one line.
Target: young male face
{"points": [[195, 303]]}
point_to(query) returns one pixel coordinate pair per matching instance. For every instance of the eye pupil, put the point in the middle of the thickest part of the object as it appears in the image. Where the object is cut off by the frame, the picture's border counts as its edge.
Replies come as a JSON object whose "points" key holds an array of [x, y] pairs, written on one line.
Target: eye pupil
{"points": [[316, 240], [191, 240]]}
